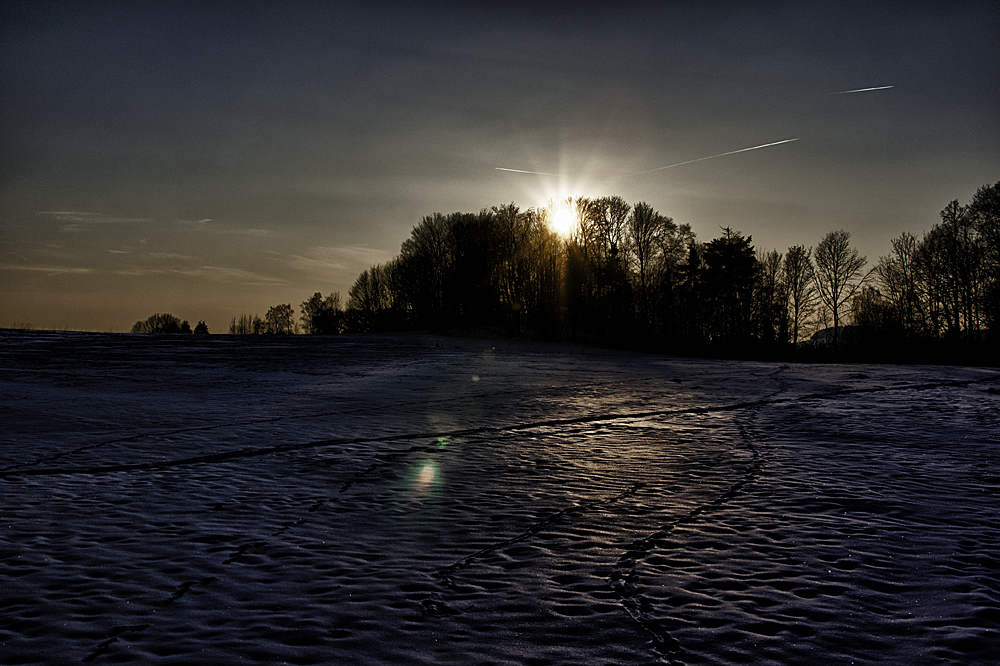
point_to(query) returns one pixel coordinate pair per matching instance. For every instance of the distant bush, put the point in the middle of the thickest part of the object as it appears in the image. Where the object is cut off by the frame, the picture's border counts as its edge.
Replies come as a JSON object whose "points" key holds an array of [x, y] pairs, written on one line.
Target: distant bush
{"points": [[201, 328], [162, 323]]}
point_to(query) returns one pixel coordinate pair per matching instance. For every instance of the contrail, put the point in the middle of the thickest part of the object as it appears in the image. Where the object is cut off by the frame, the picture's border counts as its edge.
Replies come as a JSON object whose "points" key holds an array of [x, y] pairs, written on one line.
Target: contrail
{"points": [[669, 166], [539, 173], [848, 92], [702, 159]]}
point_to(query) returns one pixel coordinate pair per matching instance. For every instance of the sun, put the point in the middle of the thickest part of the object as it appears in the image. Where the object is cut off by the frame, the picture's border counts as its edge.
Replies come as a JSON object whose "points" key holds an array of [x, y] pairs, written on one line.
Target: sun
{"points": [[563, 220]]}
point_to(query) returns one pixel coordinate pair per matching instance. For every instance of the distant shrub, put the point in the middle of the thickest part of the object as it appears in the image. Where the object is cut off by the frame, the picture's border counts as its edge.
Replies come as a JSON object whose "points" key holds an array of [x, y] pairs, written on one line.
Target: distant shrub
{"points": [[161, 323], [201, 328]]}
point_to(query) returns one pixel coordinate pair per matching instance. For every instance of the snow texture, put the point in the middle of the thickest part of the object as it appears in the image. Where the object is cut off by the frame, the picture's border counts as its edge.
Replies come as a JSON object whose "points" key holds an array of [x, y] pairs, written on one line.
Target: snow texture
{"points": [[413, 499]]}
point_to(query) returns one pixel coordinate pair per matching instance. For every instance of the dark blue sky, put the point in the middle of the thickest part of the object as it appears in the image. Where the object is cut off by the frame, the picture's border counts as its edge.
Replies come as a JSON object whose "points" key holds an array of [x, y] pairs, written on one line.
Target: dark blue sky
{"points": [[209, 161]]}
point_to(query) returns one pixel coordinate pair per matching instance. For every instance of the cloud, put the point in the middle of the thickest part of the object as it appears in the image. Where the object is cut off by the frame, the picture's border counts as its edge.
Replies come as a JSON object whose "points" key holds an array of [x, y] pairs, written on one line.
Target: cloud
{"points": [[213, 273], [168, 255], [203, 225], [77, 221], [224, 274], [51, 270], [354, 258], [258, 233]]}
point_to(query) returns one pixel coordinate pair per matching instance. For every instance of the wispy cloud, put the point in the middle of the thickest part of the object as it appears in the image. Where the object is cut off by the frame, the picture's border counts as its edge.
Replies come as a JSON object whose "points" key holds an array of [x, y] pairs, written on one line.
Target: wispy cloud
{"points": [[76, 221], [50, 270], [168, 255], [224, 274], [205, 224], [213, 273], [347, 257], [259, 233]]}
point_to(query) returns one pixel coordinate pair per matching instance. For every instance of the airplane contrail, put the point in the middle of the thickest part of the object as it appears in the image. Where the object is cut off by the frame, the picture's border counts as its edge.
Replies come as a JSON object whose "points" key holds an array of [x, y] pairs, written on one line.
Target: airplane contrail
{"points": [[539, 173], [669, 166], [848, 92], [702, 159]]}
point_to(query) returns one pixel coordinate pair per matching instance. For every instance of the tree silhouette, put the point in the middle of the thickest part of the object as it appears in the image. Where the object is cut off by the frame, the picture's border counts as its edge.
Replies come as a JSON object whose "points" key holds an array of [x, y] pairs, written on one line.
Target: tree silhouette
{"points": [[730, 273], [648, 237], [246, 324], [630, 276], [280, 320], [322, 316], [985, 213], [839, 273], [876, 321], [771, 300], [370, 301], [801, 288], [161, 323], [955, 258], [425, 262], [903, 285]]}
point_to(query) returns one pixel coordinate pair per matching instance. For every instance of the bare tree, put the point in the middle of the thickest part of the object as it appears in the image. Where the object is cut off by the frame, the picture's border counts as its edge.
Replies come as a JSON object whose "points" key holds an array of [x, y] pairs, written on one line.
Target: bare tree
{"points": [[839, 273], [903, 284], [246, 324], [604, 227], [370, 297], [801, 288], [647, 235], [771, 298], [280, 320], [322, 316], [985, 212]]}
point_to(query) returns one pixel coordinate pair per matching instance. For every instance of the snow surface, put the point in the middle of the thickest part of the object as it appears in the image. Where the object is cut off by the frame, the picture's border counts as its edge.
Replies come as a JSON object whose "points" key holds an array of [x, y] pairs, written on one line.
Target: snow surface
{"points": [[413, 499]]}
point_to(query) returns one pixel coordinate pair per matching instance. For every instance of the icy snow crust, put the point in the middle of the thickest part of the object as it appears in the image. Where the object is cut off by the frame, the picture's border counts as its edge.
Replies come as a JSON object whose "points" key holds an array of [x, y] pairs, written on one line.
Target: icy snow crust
{"points": [[420, 500]]}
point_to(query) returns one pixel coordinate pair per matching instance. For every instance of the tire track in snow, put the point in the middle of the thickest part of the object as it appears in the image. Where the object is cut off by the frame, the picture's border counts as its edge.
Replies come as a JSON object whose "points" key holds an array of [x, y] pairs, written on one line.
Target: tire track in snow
{"points": [[305, 415], [113, 635], [624, 579], [253, 545], [238, 454], [445, 575], [664, 645]]}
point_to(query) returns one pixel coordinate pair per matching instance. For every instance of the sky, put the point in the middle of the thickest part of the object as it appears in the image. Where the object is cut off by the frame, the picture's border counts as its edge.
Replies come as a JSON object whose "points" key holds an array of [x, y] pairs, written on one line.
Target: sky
{"points": [[215, 159]]}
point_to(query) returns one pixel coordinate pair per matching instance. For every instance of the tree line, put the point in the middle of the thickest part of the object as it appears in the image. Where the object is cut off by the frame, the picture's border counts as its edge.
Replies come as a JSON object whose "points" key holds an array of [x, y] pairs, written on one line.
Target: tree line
{"points": [[628, 276], [161, 323]]}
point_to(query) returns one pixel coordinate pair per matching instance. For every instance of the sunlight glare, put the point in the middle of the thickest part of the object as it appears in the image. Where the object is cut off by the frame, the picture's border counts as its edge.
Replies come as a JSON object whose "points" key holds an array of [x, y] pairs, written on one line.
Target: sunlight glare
{"points": [[563, 220]]}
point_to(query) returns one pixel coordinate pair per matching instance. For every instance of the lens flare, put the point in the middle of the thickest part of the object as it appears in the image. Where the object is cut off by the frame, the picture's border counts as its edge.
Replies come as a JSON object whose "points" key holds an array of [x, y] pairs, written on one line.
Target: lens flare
{"points": [[426, 477]]}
